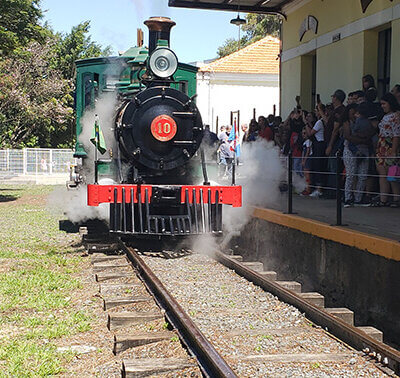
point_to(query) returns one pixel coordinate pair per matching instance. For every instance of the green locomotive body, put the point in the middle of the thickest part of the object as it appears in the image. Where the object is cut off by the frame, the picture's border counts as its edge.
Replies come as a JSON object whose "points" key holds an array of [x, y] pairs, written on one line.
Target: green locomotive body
{"points": [[119, 74]]}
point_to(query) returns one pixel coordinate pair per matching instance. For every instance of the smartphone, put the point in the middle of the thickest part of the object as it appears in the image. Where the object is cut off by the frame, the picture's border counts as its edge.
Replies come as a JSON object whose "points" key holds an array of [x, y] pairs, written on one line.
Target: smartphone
{"points": [[318, 98]]}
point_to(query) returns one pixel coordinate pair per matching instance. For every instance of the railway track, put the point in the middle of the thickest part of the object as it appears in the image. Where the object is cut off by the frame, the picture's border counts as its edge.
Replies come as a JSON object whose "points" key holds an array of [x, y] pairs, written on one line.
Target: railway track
{"points": [[229, 326]]}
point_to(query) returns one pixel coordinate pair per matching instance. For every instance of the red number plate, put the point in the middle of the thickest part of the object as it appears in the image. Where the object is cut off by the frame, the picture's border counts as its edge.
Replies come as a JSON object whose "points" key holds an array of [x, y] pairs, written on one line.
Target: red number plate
{"points": [[163, 128]]}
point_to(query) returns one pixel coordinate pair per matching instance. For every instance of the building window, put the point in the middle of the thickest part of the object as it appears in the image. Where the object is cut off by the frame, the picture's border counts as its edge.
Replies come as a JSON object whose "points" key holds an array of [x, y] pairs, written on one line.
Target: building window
{"points": [[88, 88], [384, 58], [183, 86]]}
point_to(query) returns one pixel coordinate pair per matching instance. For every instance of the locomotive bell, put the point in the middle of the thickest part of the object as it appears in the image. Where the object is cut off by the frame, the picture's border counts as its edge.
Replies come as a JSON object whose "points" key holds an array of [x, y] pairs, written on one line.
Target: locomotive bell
{"points": [[159, 28]]}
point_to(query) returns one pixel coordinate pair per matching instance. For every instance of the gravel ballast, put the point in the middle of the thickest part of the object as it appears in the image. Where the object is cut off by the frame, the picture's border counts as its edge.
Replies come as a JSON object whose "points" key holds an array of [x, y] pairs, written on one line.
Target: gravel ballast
{"points": [[257, 334]]}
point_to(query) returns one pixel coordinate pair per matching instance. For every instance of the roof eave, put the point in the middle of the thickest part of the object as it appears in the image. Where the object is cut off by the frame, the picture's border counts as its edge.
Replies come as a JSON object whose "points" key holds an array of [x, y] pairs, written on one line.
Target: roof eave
{"points": [[258, 8]]}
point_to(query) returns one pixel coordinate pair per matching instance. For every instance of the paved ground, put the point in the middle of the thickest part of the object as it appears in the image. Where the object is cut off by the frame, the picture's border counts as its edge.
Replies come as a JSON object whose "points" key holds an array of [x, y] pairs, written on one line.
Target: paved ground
{"points": [[378, 221], [55, 179]]}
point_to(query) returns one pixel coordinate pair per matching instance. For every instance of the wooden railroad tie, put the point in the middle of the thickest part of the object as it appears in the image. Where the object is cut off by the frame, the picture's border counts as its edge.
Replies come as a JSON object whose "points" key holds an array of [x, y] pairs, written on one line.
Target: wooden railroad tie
{"points": [[121, 301], [101, 257], [139, 367], [125, 319], [100, 277], [107, 287], [124, 342], [95, 247], [97, 268]]}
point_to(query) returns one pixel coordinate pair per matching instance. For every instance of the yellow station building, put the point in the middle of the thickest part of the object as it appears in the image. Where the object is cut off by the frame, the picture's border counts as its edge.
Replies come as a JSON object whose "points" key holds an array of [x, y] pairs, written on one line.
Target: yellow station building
{"points": [[327, 44], [331, 44]]}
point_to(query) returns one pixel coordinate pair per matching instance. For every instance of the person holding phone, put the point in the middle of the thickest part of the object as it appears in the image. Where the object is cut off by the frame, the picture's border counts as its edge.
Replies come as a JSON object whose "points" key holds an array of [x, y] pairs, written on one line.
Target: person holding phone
{"points": [[316, 134]]}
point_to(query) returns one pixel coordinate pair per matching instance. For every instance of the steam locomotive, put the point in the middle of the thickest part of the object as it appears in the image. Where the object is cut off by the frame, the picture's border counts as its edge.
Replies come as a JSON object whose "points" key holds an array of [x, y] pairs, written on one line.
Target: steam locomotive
{"points": [[158, 132]]}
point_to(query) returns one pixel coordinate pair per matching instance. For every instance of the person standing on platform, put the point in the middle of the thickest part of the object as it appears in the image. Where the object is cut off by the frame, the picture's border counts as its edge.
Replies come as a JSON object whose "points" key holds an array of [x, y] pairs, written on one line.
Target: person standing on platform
{"points": [[225, 153], [357, 131], [253, 131], [296, 141], [387, 149], [368, 82], [319, 147], [334, 140], [244, 133], [266, 131], [228, 130], [396, 92], [222, 132], [306, 161]]}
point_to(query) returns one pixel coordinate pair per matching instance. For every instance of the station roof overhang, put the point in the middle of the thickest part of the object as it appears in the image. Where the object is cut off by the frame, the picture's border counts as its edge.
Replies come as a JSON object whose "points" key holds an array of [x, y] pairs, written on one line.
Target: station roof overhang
{"points": [[247, 6]]}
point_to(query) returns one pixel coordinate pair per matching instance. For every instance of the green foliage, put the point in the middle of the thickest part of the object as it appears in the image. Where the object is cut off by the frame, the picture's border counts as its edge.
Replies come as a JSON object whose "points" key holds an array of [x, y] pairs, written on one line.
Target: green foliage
{"points": [[74, 46], [19, 25], [37, 73], [34, 100], [230, 46], [36, 309], [257, 26], [28, 358]]}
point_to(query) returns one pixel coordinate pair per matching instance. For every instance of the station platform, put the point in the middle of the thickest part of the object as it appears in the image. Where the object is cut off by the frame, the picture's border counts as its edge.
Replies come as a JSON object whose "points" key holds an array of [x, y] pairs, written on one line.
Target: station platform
{"points": [[376, 230], [381, 221], [354, 266]]}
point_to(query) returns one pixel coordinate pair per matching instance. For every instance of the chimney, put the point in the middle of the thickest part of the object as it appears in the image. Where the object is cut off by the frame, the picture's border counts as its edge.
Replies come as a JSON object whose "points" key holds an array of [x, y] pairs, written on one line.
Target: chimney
{"points": [[139, 38], [159, 28]]}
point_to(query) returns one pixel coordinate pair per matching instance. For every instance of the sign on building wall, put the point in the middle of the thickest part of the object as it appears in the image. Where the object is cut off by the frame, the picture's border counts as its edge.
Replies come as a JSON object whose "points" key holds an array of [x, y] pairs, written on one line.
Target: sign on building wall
{"points": [[309, 23], [365, 4]]}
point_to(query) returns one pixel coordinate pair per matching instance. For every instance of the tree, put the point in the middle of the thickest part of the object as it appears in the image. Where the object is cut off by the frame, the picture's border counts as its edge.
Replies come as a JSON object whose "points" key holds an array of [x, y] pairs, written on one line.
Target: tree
{"points": [[37, 71], [19, 25], [73, 46], [257, 26], [34, 100], [230, 46]]}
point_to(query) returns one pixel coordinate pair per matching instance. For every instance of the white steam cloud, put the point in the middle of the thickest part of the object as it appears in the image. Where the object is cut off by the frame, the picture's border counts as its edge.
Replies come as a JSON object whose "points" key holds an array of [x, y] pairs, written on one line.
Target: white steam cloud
{"points": [[260, 174], [105, 107], [152, 7], [74, 202]]}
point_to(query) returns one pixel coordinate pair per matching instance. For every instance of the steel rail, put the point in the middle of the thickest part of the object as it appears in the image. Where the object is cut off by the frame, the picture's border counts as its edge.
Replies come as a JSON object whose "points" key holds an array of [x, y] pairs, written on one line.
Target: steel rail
{"points": [[211, 363], [345, 332]]}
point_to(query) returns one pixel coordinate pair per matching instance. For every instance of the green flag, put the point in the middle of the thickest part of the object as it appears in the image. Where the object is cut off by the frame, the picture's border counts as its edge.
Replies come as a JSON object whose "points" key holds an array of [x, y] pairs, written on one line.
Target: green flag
{"points": [[97, 137]]}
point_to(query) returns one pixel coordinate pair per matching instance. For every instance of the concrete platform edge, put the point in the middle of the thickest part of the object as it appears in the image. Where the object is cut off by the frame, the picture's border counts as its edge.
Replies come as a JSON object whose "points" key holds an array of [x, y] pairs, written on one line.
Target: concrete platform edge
{"points": [[376, 245]]}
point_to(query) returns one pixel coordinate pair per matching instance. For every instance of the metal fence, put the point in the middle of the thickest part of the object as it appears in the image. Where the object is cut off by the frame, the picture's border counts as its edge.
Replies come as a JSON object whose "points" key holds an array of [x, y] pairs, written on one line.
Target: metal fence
{"points": [[35, 162], [333, 183]]}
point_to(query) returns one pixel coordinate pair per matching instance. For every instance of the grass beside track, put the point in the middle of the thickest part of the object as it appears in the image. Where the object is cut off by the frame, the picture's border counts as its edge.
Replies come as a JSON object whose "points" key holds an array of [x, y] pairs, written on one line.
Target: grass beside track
{"points": [[39, 269]]}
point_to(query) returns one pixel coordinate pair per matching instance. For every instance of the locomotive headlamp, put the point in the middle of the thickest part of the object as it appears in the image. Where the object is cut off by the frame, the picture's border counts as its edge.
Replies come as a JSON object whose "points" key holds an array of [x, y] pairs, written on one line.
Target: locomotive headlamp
{"points": [[163, 62]]}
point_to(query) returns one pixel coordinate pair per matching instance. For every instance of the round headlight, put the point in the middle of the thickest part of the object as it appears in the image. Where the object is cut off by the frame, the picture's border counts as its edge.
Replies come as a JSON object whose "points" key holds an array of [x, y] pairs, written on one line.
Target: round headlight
{"points": [[163, 62]]}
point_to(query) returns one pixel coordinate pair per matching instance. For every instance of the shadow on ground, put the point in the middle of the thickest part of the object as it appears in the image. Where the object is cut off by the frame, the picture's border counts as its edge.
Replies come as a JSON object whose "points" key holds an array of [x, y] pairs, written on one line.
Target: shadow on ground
{"points": [[4, 197]]}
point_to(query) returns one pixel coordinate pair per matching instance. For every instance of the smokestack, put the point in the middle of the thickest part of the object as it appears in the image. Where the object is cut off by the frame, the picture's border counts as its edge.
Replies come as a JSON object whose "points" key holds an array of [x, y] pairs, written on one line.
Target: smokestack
{"points": [[159, 28]]}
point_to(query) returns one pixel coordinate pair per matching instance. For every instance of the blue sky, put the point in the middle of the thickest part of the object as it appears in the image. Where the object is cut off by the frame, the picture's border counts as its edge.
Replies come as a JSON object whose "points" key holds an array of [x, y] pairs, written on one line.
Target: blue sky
{"points": [[196, 36]]}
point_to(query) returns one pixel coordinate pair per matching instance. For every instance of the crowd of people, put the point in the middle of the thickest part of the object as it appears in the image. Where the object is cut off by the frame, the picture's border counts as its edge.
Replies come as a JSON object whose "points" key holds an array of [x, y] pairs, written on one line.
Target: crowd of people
{"points": [[362, 131]]}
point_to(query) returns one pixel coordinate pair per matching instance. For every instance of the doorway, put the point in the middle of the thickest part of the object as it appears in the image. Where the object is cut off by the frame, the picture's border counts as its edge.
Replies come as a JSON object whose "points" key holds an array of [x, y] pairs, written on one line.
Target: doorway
{"points": [[384, 58]]}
